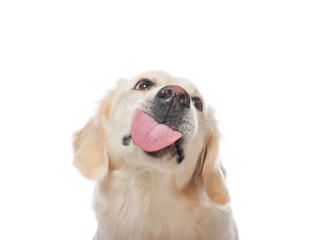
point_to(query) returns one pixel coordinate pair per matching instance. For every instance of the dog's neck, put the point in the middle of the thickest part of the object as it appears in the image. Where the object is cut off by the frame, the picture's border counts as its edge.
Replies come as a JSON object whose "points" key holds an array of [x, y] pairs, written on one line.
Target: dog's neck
{"points": [[128, 196], [145, 182], [145, 204]]}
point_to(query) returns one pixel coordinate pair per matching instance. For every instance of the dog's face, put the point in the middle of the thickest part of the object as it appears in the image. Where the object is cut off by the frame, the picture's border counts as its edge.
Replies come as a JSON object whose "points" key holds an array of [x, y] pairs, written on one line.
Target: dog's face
{"points": [[170, 101], [157, 122]]}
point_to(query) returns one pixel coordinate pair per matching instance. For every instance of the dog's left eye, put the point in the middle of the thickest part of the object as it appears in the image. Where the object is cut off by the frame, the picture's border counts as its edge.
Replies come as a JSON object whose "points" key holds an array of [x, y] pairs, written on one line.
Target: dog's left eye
{"points": [[197, 102], [144, 84]]}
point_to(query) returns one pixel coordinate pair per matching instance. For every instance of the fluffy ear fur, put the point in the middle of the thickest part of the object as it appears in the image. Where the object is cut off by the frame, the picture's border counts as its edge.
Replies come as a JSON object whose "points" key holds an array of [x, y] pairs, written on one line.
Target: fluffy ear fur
{"points": [[213, 173], [90, 154]]}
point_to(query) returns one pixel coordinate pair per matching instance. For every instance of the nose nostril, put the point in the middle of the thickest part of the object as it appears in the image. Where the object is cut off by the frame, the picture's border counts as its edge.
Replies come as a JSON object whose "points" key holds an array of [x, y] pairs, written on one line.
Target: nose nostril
{"points": [[165, 93], [185, 100], [168, 92]]}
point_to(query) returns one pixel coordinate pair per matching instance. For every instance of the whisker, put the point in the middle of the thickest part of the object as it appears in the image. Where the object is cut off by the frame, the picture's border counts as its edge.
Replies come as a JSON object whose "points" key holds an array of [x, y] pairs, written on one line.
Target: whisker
{"points": [[198, 140], [207, 125]]}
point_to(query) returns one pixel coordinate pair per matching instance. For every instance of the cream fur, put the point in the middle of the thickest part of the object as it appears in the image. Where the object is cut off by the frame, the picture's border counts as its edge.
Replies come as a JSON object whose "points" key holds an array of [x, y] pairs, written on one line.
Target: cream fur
{"points": [[139, 197]]}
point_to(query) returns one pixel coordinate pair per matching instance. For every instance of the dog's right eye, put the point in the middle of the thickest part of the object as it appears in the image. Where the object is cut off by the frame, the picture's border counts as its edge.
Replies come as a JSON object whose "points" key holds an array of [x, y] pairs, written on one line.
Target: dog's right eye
{"points": [[198, 103], [144, 84]]}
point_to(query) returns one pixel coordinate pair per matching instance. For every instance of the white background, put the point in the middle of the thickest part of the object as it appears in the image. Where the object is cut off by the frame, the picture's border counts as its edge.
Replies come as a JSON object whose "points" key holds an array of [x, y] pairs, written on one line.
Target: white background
{"points": [[254, 61]]}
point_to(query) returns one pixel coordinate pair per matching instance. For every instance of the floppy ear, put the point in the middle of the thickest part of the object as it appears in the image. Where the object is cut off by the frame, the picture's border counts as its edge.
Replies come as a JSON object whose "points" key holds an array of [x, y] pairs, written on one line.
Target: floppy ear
{"points": [[213, 173], [90, 154]]}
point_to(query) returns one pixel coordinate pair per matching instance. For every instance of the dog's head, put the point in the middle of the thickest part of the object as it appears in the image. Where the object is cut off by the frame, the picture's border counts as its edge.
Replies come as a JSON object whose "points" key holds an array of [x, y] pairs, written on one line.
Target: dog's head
{"points": [[157, 122]]}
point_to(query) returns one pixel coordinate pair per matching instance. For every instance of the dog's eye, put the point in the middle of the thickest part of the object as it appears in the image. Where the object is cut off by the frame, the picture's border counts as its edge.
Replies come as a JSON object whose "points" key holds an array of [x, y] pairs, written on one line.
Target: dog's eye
{"points": [[197, 102], [144, 84]]}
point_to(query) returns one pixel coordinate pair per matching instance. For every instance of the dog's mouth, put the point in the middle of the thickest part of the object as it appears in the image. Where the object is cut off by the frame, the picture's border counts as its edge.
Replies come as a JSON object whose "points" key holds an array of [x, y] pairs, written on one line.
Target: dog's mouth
{"points": [[175, 150], [151, 135], [156, 139]]}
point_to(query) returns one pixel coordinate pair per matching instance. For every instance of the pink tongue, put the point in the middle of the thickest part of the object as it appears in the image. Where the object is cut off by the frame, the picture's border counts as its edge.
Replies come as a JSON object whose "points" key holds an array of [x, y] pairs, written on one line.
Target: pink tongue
{"points": [[150, 135]]}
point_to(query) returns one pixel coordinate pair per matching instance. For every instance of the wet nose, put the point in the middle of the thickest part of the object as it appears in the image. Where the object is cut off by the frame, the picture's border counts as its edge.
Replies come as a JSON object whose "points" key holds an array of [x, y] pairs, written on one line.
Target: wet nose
{"points": [[175, 95]]}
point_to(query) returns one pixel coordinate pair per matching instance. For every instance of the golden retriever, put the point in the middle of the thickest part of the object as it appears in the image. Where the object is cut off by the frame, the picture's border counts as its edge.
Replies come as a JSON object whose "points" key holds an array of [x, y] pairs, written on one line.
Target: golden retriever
{"points": [[153, 149]]}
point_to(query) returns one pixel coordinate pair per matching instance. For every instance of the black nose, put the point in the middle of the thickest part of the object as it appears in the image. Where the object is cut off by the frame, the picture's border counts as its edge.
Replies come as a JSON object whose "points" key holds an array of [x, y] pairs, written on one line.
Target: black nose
{"points": [[170, 106], [175, 95]]}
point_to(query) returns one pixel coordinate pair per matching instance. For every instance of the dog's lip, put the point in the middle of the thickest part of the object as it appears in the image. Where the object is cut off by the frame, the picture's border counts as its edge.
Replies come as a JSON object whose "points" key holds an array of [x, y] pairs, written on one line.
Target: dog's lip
{"points": [[179, 150]]}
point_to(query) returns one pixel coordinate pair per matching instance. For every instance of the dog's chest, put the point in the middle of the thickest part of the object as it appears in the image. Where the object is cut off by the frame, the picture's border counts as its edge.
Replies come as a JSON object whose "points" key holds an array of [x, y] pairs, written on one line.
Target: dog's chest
{"points": [[144, 207]]}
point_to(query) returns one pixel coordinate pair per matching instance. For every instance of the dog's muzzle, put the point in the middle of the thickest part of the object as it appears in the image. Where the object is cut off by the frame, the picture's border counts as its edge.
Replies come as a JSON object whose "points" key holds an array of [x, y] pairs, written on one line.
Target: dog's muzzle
{"points": [[170, 105]]}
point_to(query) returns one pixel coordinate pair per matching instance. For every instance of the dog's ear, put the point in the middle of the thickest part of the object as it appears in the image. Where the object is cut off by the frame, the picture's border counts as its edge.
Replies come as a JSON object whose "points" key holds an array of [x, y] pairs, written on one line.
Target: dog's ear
{"points": [[213, 173], [90, 154]]}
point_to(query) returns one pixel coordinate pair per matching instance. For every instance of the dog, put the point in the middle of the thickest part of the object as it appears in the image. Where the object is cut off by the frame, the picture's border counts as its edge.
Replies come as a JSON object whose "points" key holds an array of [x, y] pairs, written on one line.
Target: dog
{"points": [[153, 150]]}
